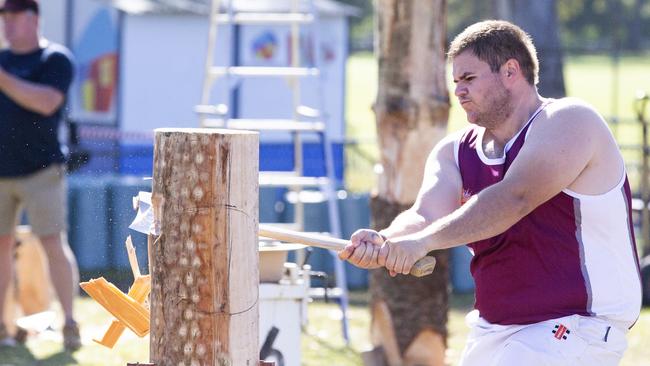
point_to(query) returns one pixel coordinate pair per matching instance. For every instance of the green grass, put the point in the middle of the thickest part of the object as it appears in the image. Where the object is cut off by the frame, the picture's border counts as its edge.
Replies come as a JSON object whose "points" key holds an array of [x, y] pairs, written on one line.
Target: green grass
{"points": [[322, 344], [591, 78], [46, 348]]}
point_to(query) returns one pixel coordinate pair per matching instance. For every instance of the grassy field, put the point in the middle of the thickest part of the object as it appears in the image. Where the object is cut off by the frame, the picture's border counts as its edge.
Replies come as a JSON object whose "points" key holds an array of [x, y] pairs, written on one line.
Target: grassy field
{"points": [[322, 344], [591, 78]]}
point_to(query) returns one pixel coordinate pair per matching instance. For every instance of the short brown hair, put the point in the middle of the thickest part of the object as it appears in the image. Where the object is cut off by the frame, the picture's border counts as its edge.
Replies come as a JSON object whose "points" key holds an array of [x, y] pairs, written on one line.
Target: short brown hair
{"points": [[495, 42]]}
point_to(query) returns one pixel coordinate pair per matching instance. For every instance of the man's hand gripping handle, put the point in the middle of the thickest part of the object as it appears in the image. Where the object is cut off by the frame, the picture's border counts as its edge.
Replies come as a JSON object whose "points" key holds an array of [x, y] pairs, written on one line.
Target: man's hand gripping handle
{"points": [[423, 267]]}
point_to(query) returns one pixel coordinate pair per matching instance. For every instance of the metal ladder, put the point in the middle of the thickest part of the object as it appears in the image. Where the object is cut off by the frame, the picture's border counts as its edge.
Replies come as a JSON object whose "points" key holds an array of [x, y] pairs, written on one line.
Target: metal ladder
{"points": [[305, 119]]}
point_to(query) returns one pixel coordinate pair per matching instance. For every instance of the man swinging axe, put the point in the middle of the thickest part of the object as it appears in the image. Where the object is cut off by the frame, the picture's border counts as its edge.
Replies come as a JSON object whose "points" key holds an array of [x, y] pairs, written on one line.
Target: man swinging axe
{"points": [[538, 189]]}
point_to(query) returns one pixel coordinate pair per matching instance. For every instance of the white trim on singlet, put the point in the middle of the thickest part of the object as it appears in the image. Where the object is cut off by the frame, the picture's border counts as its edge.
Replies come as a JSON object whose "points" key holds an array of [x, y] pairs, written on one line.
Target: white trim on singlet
{"points": [[456, 148], [502, 159], [583, 196]]}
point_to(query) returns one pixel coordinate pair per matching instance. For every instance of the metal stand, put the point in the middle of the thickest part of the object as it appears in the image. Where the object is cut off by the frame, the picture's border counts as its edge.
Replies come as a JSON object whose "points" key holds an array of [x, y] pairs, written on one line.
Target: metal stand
{"points": [[305, 119]]}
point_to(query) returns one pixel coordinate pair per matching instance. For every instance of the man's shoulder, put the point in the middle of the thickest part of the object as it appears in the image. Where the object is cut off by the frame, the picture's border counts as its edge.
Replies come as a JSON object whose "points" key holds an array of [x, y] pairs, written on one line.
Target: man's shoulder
{"points": [[452, 139], [573, 111], [570, 117], [570, 106], [4, 52], [446, 147], [57, 51]]}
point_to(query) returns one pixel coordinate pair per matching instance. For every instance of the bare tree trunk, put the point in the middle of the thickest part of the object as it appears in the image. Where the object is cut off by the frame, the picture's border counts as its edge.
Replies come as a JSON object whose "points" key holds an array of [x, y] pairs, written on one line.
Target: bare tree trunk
{"points": [[634, 33], [501, 9], [412, 107], [539, 19]]}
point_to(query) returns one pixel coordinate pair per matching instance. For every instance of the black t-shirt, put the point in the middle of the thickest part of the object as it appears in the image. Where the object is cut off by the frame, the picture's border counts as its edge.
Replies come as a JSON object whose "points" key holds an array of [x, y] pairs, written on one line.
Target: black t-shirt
{"points": [[29, 140]]}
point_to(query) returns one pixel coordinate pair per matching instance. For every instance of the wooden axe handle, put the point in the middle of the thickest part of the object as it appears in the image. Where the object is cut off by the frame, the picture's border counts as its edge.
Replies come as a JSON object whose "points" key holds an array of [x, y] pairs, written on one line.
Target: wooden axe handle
{"points": [[424, 266]]}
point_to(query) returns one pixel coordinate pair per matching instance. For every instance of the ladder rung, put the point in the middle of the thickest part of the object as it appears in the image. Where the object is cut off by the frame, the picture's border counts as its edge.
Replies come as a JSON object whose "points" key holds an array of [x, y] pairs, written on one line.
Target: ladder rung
{"points": [[263, 71], [215, 110], [264, 124], [265, 18], [289, 179], [307, 112], [319, 292]]}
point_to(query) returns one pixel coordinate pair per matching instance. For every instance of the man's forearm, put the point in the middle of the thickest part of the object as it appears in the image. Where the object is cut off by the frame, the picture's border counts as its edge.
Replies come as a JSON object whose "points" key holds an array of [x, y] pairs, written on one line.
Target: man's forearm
{"points": [[38, 98], [408, 222], [485, 215]]}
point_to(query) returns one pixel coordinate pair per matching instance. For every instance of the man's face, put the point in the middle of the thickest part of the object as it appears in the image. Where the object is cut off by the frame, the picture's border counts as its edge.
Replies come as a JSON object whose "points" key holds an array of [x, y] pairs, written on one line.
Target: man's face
{"points": [[480, 91], [19, 26]]}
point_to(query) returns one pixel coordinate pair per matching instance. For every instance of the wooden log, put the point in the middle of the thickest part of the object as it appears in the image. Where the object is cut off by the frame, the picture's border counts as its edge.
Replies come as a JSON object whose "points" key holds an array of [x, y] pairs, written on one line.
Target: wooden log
{"points": [[204, 260]]}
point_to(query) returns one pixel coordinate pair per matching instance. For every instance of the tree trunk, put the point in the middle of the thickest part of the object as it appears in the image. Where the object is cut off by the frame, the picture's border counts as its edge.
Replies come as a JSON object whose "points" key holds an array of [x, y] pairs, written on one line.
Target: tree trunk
{"points": [[415, 304], [204, 265], [500, 9], [634, 30], [412, 108], [539, 19]]}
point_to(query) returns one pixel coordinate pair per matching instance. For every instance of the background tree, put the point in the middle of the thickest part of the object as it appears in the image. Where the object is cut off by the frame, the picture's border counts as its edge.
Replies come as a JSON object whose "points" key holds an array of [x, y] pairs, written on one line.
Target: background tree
{"points": [[409, 315], [539, 19], [585, 25]]}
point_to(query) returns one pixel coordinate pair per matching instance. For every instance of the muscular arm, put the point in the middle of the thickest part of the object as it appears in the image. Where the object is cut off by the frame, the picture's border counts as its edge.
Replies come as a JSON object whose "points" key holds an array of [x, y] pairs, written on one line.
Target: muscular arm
{"points": [[35, 97], [556, 152], [439, 194]]}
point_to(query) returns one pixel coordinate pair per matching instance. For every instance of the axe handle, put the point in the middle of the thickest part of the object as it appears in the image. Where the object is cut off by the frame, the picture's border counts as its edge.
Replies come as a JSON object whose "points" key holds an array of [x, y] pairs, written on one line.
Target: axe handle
{"points": [[424, 266]]}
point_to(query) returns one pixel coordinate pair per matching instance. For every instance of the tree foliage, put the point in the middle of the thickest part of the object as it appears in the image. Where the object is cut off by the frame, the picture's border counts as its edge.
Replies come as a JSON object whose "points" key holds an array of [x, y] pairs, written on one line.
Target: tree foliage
{"points": [[585, 25]]}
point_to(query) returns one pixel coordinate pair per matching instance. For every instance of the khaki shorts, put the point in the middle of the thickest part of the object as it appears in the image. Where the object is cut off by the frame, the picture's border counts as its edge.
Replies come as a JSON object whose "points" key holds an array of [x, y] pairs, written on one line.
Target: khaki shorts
{"points": [[44, 196]]}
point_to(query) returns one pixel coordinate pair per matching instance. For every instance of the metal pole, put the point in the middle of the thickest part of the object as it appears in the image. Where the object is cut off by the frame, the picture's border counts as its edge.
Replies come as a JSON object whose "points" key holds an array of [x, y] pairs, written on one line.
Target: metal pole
{"points": [[330, 190]]}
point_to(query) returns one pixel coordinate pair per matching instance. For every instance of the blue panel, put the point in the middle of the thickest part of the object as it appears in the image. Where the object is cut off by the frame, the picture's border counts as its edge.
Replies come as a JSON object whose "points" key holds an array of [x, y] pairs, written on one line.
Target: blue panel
{"points": [[103, 157], [136, 160], [355, 215], [276, 157], [461, 278], [279, 157], [87, 216], [271, 204], [121, 192]]}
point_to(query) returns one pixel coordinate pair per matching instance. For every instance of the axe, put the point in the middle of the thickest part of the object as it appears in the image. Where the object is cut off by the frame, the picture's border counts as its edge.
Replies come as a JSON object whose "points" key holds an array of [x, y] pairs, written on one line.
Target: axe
{"points": [[424, 266]]}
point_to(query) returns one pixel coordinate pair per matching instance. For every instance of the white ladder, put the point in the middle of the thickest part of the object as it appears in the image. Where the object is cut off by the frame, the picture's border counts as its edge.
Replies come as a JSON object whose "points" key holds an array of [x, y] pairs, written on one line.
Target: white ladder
{"points": [[305, 119]]}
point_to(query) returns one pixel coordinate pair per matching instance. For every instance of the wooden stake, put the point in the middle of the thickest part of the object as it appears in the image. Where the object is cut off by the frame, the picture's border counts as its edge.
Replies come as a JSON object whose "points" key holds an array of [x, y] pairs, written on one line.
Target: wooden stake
{"points": [[204, 298], [133, 258]]}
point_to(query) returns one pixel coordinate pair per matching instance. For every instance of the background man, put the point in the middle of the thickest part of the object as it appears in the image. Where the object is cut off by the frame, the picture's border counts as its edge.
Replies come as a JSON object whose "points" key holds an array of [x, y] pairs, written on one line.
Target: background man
{"points": [[539, 190], [34, 78]]}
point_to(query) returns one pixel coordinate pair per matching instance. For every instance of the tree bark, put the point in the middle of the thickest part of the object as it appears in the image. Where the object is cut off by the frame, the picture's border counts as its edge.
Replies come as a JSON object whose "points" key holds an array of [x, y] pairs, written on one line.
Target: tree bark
{"points": [[205, 263], [411, 110], [415, 303]]}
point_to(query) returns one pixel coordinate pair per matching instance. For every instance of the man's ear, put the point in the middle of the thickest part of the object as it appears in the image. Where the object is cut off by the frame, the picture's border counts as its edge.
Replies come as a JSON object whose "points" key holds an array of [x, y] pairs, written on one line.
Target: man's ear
{"points": [[510, 68]]}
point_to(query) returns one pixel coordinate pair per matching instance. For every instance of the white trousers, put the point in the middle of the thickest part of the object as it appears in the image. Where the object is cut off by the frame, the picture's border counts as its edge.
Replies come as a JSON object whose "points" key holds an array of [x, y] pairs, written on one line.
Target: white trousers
{"points": [[573, 340]]}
